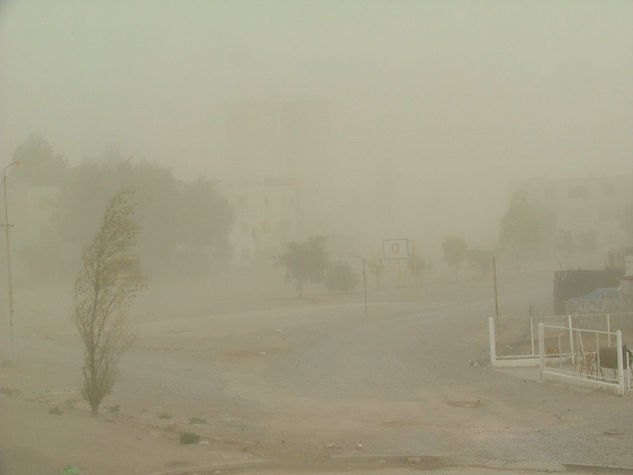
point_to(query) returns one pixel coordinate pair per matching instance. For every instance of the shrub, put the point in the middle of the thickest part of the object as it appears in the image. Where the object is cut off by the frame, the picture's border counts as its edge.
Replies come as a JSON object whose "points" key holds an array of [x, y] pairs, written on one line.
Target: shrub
{"points": [[340, 277], [189, 438], [197, 420]]}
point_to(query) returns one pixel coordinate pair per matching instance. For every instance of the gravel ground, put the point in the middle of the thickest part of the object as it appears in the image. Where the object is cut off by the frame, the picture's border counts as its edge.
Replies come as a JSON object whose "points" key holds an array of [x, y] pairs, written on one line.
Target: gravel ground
{"points": [[304, 382]]}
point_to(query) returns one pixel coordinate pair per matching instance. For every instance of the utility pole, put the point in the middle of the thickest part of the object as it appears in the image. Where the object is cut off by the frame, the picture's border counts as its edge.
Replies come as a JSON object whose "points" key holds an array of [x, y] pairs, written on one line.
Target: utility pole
{"points": [[494, 273], [365, 286], [6, 231]]}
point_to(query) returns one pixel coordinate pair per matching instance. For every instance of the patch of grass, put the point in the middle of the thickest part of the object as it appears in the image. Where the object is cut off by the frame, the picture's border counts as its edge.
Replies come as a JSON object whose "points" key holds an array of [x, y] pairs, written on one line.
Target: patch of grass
{"points": [[55, 411], [197, 420], [189, 438], [9, 391], [70, 403], [114, 409], [164, 415]]}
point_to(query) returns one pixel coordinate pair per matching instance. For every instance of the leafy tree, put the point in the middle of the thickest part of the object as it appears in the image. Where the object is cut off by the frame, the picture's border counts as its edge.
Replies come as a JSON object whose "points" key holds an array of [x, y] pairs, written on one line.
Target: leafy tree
{"points": [[305, 262], [39, 164], [101, 296], [454, 251], [525, 227], [186, 224], [480, 260], [340, 277]]}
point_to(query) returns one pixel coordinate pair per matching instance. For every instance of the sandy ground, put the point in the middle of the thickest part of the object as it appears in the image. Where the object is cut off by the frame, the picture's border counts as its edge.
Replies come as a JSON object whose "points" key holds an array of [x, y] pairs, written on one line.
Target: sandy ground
{"points": [[301, 386]]}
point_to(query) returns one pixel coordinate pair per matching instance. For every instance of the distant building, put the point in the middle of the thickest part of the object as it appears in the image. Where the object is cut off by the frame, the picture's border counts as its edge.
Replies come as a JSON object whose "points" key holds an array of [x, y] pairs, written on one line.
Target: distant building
{"points": [[278, 153], [287, 140], [266, 218]]}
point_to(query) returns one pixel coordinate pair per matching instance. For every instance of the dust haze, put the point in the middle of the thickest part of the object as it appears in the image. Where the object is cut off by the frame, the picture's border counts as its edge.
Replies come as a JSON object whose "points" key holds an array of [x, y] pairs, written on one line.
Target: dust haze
{"points": [[332, 198]]}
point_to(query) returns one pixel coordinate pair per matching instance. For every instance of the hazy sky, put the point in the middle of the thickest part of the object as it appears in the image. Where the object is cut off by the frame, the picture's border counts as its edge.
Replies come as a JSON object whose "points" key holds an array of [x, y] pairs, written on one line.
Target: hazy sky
{"points": [[448, 98]]}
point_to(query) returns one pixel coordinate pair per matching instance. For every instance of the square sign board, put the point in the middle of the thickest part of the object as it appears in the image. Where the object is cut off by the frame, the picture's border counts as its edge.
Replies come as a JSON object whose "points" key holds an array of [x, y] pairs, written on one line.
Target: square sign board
{"points": [[395, 248]]}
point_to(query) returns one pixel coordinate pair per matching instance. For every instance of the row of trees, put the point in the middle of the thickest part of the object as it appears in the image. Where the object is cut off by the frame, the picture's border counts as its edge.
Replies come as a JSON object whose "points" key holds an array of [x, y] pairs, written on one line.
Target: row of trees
{"points": [[185, 225]]}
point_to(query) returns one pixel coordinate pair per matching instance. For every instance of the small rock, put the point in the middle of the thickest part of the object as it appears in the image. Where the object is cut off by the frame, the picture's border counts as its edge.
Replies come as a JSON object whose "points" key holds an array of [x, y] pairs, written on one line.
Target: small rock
{"points": [[331, 445], [359, 446], [263, 353]]}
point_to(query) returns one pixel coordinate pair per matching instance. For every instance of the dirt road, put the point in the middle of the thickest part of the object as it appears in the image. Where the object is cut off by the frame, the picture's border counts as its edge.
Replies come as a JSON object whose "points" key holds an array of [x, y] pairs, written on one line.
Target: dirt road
{"points": [[300, 385]]}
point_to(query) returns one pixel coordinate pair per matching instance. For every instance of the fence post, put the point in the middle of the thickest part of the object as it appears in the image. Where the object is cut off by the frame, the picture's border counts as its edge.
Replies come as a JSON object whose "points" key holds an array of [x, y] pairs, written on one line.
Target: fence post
{"points": [[492, 338], [541, 347], [620, 363], [571, 341]]}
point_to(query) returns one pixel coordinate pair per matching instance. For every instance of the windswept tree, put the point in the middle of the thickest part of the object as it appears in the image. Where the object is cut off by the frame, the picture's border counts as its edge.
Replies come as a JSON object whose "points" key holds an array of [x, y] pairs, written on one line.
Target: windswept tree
{"points": [[108, 281], [305, 262], [454, 251]]}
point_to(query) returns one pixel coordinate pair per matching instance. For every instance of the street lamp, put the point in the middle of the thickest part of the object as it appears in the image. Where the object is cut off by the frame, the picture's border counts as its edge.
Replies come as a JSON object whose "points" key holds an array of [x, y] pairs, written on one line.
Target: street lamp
{"points": [[6, 230]]}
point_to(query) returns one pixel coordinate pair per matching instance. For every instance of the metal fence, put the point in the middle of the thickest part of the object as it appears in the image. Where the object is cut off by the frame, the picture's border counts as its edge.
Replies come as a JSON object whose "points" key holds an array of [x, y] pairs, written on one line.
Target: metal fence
{"points": [[593, 358], [527, 337]]}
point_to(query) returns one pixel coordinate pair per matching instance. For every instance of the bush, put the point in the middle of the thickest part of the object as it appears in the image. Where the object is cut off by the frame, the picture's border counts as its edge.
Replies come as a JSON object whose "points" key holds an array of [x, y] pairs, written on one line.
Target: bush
{"points": [[197, 420], [189, 438], [340, 277]]}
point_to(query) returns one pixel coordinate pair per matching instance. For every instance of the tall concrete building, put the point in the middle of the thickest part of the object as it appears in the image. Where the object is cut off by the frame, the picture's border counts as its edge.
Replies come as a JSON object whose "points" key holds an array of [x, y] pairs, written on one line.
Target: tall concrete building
{"points": [[279, 156]]}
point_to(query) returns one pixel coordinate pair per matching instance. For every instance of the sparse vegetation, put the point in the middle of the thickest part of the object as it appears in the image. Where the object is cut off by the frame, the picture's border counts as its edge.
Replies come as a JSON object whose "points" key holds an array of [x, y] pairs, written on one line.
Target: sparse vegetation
{"points": [[10, 392], [197, 420], [189, 438], [114, 409], [55, 410], [164, 415], [101, 295]]}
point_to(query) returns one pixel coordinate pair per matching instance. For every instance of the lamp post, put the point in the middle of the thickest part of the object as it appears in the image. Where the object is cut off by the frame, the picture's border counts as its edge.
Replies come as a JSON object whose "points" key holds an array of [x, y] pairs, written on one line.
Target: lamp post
{"points": [[6, 230]]}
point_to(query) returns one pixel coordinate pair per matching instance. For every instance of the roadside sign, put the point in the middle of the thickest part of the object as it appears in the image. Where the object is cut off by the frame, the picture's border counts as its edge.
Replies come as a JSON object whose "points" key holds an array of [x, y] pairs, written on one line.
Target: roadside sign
{"points": [[395, 248]]}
